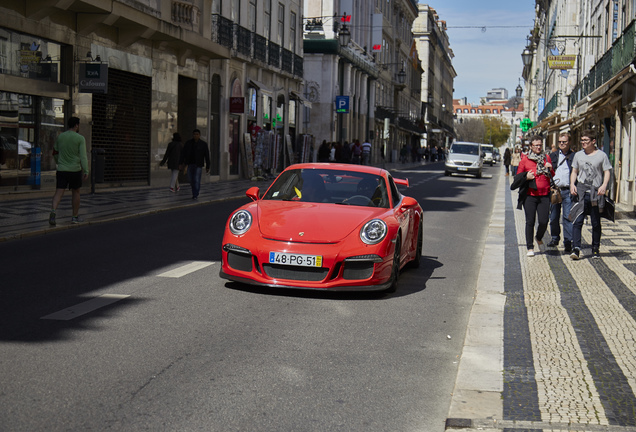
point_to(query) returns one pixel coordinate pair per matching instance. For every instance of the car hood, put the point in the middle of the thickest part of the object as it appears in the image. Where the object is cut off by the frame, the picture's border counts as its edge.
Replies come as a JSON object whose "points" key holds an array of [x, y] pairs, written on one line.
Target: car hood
{"points": [[311, 222], [459, 157]]}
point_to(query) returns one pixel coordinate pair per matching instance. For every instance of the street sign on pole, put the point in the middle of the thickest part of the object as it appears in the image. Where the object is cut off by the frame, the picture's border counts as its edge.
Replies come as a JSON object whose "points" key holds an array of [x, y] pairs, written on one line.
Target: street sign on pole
{"points": [[342, 104]]}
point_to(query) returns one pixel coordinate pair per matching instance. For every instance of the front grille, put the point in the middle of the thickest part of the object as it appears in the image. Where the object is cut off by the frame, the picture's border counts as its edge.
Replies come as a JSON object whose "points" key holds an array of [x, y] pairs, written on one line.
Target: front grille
{"points": [[308, 274], [357, 270], [240, 262]]}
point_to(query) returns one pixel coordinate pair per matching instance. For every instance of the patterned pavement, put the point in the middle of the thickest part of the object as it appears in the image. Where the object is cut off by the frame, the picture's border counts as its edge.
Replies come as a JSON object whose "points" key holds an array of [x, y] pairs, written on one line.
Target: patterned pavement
{"points": [[29, 216], [567, 356]]}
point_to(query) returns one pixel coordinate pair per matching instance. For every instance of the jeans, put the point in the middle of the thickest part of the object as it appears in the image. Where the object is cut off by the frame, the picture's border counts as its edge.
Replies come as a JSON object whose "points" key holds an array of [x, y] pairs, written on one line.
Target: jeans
{"points": [[555, 214], [174, 178], [536, 206], [194, 174], [595, 219], [514, 169]]}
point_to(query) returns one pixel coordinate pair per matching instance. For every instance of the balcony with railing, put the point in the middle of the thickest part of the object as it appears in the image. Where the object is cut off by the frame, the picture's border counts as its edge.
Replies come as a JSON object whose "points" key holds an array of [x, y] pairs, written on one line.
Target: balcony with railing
{"points": [[619, 56], [273, 51], [550, 107], [243, 40], [252, 46], [298, 66], [287, 58], [185, 14], [222, 31], [260, 48]]}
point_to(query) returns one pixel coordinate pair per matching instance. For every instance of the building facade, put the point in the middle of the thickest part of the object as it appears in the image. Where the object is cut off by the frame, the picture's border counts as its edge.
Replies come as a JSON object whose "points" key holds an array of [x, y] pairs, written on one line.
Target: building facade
{"points": [[137, 72], [369, 87], [438, 77], [593, 82]]}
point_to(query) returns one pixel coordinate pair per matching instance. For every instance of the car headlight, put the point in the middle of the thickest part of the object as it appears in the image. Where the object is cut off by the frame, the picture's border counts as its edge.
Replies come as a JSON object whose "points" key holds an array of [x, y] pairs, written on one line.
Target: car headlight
{"points": [[240, 222], [373, 232]]}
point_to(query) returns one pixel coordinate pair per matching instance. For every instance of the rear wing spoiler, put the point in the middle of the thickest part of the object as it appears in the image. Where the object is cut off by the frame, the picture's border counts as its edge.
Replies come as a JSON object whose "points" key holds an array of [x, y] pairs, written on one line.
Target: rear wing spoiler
{"points": [[402, 182]]}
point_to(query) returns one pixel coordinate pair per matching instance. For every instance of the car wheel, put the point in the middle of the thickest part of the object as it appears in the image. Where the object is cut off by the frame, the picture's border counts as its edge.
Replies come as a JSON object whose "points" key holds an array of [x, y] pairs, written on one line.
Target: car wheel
{"points": [[395, 270], [418, 250], [479, 174], [446, 173]]}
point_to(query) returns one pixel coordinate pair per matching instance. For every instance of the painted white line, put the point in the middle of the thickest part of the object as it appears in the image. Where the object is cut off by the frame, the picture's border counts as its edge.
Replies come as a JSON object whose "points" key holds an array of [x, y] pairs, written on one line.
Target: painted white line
{"points": [[86, 307], [186, 269]]}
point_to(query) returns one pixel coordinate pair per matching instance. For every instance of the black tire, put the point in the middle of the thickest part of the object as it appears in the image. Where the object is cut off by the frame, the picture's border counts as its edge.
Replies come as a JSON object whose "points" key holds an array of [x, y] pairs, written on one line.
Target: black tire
{"points": [[446, 173], [478, 174], [395, 269], [418, 250]]}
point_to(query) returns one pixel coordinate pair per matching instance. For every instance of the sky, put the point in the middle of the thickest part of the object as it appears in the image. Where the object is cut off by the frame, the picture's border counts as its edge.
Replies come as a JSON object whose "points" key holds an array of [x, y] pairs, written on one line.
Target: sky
{"points": [[488, 59]]}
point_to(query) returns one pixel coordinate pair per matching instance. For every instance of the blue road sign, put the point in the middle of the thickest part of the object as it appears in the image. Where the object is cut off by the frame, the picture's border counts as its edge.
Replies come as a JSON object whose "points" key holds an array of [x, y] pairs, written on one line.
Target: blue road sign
{"points": [[342, 104]]}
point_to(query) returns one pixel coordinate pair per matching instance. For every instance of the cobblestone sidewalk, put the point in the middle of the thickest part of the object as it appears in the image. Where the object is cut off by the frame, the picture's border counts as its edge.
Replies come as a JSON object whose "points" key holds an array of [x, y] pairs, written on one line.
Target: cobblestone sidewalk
{"points": [[567, 355]]}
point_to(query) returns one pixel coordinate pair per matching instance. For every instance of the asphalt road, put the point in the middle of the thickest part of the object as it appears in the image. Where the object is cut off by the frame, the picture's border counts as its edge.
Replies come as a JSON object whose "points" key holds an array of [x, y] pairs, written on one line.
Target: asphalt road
{"points": [[168, 345]]}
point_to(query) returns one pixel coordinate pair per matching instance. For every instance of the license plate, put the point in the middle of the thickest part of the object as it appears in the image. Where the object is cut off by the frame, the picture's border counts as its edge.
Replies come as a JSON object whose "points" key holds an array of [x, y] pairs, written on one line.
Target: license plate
{"points": [[295, 259], [462, 169]]}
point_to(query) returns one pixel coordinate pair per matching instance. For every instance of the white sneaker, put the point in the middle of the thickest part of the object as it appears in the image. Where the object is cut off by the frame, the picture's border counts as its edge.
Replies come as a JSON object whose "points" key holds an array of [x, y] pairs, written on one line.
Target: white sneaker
{"points": [[530, 253]]}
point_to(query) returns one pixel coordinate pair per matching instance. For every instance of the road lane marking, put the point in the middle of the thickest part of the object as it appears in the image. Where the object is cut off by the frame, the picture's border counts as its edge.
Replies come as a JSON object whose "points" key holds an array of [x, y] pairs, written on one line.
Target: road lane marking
{"points": [[186, 269], [85, 307]]}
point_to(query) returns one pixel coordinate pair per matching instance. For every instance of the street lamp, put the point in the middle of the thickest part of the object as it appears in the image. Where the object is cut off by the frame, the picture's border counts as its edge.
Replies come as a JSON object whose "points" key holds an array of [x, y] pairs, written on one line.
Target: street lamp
{"points": [[526, 57], [519, 91], [401, 76], [344, 36]]}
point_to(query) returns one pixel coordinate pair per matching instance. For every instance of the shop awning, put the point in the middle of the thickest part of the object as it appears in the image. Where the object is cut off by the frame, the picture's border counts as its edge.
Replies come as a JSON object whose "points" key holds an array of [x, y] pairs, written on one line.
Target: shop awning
{"points": [[300, 98], [260, 86]]}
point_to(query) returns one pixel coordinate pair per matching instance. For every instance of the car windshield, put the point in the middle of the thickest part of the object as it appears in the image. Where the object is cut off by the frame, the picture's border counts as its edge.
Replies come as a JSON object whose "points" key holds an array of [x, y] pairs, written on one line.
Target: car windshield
{"points": [[465, 149], [330, 186]]}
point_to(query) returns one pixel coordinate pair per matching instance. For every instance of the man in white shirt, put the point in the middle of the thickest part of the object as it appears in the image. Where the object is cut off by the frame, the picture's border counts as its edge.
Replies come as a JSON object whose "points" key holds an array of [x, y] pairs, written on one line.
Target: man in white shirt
{"points": [[562, 162], [366, 153]]}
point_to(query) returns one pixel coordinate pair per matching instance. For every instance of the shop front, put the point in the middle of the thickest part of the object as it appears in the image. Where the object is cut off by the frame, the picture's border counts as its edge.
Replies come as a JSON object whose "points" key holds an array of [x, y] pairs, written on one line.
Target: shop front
{"points": [[32, 106]]}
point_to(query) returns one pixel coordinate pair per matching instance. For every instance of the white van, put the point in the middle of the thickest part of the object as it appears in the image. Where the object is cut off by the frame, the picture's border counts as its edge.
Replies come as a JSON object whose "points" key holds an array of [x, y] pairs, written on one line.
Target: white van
{"points": [[464, 158], [489, 156]]}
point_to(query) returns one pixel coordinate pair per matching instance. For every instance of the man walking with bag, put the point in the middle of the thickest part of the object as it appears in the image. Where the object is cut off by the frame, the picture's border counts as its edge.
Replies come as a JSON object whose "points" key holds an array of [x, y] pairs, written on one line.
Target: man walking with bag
{"points": [[562, 161], [588, 181]]}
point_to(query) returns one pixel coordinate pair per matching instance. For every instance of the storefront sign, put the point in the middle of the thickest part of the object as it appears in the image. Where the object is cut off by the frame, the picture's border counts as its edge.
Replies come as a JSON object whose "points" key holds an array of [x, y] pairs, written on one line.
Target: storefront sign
{"points": [[237, 105], [93, 78], [561, 61]]}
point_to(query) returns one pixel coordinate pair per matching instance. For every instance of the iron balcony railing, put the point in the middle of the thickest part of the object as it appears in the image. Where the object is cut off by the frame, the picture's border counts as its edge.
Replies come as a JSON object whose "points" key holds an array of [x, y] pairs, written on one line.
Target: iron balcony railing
{"points": [[260, 48], [619, 56], [222, 31], [550, 107], [287, 58], [298, 66], [254, 46], [243, 40], [273, 54]]}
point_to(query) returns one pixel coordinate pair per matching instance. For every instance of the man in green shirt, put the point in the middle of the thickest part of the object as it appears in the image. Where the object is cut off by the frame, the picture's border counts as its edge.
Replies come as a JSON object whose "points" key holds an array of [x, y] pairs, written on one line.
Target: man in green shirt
{"points": [[69, 152]]}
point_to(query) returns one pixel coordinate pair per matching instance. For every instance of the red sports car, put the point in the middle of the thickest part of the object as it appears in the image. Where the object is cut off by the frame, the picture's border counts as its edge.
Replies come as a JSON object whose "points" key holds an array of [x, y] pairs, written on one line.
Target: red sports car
{"points": [[324, 226]]}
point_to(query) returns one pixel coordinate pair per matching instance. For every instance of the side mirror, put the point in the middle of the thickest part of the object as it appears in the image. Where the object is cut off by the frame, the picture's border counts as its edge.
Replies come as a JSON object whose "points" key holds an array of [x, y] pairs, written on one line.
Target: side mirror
{"points": [[253, 193]]}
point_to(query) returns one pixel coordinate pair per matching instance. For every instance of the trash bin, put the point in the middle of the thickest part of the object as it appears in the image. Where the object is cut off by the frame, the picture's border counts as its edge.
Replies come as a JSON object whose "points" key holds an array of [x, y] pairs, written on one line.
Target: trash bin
{"points": [[99, 161]]}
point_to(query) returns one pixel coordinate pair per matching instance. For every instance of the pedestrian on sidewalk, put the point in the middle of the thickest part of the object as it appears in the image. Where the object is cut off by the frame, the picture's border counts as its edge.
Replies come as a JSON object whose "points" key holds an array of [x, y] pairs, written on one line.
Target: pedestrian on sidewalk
{"points": [[562, 160], [69, 152], [536, 166], [366, 153], [515, 160], [588, 182], [506, 161], [173, 156], [195, 154]]}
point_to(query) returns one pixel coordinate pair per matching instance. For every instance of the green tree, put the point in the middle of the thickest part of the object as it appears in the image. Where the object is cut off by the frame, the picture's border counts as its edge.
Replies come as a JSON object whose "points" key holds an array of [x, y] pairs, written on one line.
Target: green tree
{"points": [[497, 131]]}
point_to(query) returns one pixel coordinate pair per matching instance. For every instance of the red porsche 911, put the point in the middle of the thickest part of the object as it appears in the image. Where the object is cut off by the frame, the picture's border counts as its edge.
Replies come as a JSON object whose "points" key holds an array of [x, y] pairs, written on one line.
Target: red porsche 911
{"points": [[324, 226]]}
